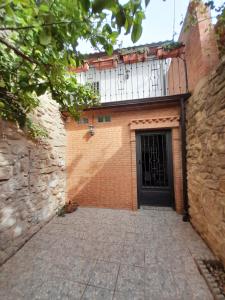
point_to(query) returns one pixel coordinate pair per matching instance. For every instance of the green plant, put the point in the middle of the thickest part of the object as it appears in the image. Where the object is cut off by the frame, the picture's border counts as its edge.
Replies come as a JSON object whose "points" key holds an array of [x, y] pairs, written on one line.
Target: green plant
{"points": [[220, 32], [35, 130], [131, 50], [61, 211], [38, 41], [81, 97], [172, 45], [67, 208], [15, 107]]}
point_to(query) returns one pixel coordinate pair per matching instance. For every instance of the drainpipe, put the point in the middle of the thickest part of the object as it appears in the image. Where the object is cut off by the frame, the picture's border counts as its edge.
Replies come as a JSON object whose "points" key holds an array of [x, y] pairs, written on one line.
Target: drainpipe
{"points": [[186, 216]]}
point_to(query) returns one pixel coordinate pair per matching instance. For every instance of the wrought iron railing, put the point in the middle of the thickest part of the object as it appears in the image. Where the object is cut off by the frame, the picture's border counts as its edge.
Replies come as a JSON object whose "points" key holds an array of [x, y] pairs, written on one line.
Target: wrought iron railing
{"points": [[151, 78]]}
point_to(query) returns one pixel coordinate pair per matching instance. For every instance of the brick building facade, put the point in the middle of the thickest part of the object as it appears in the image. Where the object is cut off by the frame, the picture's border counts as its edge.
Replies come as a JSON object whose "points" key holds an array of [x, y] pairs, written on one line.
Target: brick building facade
{"points": [[103, 169], [201, 51]]}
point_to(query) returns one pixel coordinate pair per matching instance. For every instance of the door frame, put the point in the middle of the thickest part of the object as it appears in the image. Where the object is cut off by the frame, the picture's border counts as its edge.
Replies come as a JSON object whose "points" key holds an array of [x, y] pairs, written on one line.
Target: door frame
{"points": [[138, 134]]}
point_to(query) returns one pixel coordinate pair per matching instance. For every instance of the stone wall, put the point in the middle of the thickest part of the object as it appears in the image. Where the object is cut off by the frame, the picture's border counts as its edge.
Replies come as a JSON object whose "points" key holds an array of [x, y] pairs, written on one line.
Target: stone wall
{"points": [[206, 159], [32, 178]]}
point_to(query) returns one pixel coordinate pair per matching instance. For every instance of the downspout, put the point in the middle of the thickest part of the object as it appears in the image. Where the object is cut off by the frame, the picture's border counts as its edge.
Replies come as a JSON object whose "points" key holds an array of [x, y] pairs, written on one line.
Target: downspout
{"points": [[186, 216]]}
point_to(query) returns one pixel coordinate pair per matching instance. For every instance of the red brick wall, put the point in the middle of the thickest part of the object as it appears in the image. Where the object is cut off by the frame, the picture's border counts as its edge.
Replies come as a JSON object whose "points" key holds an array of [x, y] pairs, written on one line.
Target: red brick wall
{"points": [[201, 51], [100, 168]]}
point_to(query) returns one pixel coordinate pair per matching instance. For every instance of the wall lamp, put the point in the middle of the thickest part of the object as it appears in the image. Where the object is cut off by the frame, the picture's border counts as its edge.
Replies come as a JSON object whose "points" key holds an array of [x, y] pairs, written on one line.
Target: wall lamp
{"points": [[91, 129]]}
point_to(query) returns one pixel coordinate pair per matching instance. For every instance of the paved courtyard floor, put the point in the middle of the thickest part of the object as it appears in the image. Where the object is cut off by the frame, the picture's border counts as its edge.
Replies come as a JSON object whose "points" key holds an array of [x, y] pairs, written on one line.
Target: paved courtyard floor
{"points": [[108, 254]]}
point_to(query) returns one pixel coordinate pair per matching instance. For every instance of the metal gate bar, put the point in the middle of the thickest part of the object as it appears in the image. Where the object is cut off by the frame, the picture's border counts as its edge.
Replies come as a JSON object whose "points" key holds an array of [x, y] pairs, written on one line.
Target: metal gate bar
{"points": [[154, 160]]}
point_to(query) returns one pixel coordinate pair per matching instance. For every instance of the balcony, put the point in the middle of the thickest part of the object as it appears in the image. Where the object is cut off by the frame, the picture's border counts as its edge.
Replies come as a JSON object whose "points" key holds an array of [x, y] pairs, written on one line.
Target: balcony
{"points": [[142, 80]]}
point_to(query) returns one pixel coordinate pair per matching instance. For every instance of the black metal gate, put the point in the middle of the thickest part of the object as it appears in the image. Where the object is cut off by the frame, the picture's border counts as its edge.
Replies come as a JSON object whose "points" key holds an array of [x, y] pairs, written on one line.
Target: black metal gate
{"points": [[154, 168]]}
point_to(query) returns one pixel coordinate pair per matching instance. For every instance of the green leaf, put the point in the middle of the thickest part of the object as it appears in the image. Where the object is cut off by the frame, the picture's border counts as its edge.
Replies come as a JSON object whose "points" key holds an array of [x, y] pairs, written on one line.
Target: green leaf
{"points": [[107, 28], [139, 17], [109, 49], [114, 36], [101, 39], [9, 11], [2, 105], [121, 17], [147, 3], [93, 42], [128, 24], [41, 89], [45, 38], [2, 83], [85, 4], [44, 8], [99, 5], [136, 5], [136, 32]]}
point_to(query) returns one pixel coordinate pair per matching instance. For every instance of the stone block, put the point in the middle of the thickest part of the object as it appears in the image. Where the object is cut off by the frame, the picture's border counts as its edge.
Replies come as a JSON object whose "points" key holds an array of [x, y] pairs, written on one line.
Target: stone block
{"points": [[4, 147], [24, 165], [6, 159], [222, 186], [53, 183], [5, 239], [220, 146], [48, 170], [6, 172], [19, 148], [44, 155], [3, 256]]}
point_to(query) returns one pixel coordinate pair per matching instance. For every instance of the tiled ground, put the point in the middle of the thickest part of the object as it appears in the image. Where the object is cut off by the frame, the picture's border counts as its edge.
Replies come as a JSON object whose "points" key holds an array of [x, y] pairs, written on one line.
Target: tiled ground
{"points": [[108, 254]]}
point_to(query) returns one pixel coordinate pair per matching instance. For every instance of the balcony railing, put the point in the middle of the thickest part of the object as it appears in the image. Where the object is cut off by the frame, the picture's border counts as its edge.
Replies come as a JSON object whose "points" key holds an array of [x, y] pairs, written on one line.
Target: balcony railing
{"points": [[151, 78]]}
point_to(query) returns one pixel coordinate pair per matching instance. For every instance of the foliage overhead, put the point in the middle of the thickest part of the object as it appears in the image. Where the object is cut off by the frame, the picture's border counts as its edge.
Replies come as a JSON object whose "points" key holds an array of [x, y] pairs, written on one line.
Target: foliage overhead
{"points": [[38, 41]]}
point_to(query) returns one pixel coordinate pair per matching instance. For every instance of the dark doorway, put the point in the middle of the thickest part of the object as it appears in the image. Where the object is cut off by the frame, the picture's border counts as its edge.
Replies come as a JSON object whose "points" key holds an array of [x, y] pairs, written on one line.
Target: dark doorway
{"points": [[154, 168]]}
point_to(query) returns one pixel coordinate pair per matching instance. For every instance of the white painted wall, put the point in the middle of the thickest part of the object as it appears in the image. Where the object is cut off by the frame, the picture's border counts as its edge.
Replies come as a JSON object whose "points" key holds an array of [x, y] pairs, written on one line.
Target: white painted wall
{"points": [[129, 81]]}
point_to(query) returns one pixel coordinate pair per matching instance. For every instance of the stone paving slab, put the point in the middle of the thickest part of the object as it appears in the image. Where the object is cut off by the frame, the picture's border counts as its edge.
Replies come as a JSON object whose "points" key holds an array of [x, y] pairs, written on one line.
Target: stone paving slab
{"points": [[109, 254]]}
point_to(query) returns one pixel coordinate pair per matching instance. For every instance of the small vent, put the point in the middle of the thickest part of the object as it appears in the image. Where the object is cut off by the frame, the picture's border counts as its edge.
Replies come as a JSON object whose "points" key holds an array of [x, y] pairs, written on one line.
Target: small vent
{"points": [[103, 119], [83, 121]]}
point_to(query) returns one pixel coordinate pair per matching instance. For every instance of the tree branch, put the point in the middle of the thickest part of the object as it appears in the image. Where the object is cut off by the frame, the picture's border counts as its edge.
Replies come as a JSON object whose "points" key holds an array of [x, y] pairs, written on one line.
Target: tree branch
{"points": [[43, 25], [18, 52], [8, 95]]}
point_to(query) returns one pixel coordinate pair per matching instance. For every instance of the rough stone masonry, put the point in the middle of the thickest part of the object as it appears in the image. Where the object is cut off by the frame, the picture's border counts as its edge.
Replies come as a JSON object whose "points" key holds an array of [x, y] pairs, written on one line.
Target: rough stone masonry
{"points": [[32, 177], [206, 159]]}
